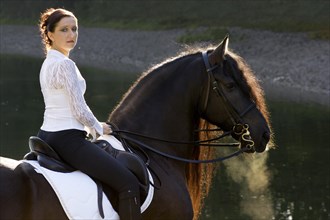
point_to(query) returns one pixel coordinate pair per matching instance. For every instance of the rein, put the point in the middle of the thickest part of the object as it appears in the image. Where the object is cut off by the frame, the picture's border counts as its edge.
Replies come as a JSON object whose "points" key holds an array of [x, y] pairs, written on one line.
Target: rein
{"points": [[239, 129], [124, 135]]}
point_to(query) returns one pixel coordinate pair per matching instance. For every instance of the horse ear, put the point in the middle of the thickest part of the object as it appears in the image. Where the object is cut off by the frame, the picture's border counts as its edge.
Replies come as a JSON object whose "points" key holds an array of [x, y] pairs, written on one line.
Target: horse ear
{"points": [[218, 54]]}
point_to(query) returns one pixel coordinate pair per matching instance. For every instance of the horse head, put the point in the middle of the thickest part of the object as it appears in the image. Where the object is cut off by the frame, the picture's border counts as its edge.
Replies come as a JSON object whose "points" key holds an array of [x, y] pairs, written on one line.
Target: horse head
{"points": [[234, 93]]}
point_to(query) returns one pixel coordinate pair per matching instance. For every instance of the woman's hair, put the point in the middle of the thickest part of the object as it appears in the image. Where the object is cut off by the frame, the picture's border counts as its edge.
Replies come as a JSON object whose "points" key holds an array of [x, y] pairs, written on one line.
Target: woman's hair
{"points": [[48, 21]]}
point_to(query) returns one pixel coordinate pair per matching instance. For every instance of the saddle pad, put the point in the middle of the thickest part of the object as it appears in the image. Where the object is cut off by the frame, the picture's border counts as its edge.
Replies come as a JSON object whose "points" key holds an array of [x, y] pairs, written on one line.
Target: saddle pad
{"points": [[77, 192]]}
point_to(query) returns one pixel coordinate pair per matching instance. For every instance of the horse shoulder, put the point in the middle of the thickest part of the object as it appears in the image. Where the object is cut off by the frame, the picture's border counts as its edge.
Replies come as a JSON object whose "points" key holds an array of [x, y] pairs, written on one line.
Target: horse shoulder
{"points": [[171, 200]]}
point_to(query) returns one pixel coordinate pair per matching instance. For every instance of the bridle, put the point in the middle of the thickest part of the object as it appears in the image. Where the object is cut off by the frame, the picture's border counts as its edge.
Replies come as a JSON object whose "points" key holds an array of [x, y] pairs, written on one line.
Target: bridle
{"points": [[239, 129], [234, 116]]}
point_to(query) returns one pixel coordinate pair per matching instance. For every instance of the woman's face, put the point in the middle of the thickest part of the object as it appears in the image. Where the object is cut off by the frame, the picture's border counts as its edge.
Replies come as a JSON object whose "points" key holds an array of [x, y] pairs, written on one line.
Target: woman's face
{"points": [[65, 35]]}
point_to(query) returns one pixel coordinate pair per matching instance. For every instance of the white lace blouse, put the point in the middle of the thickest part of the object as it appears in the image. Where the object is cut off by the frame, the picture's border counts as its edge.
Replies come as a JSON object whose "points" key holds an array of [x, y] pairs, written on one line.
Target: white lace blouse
{"points": [[63, 89]]}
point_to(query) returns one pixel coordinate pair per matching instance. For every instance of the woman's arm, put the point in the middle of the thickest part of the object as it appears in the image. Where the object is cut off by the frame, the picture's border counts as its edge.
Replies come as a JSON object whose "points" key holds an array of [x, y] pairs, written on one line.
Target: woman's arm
{"points": [[69, 79]]}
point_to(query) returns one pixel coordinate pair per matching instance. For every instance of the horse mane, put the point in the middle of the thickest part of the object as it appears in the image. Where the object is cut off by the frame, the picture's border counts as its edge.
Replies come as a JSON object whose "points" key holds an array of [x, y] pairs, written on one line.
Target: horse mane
{"points": [[199, 176], [154, 69]]}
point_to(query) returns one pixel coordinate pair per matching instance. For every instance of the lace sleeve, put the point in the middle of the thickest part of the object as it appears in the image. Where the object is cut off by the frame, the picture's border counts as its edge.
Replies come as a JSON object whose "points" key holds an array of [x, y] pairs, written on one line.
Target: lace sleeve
{"points": [[68, 76]]}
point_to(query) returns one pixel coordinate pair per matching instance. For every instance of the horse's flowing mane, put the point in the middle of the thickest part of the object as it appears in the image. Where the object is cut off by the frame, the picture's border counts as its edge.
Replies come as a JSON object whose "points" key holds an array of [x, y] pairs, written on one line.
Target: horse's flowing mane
{"points": [[199, 176]]}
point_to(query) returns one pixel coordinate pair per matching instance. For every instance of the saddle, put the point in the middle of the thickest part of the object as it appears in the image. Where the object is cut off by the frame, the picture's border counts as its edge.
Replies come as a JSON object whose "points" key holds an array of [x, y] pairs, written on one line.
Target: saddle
{"points": [[48, 158]]}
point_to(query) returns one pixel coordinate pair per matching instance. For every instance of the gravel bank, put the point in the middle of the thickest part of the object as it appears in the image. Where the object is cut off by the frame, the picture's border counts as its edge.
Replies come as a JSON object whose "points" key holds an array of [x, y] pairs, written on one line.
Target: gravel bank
{"points": [[290, 65]]}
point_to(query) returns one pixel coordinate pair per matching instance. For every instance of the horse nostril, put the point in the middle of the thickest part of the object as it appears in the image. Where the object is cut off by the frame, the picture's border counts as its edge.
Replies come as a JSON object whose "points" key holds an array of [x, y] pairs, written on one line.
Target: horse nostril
{"points": [[266, 136]]}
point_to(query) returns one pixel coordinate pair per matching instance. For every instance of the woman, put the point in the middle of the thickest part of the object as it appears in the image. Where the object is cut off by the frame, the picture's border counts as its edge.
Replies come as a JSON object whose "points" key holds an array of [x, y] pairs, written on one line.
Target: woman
{"points": [[66, 113]]}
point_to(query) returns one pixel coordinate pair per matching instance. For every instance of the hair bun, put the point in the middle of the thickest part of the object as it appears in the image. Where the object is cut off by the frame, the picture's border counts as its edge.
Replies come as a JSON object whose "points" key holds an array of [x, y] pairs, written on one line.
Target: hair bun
{"points": [[44, 18]]}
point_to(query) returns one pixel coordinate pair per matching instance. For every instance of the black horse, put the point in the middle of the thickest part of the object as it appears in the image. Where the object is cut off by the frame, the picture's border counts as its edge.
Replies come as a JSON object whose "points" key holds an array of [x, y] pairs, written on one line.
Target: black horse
{"points": [[163, 109]]}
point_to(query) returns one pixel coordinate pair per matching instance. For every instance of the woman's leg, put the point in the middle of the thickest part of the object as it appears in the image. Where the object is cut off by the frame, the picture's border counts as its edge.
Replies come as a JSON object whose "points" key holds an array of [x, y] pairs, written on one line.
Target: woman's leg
{"points": [[85, 156]]}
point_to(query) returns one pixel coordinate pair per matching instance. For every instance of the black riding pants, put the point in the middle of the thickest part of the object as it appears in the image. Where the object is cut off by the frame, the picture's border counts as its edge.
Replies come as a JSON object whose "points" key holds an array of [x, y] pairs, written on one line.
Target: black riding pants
{"points": [[85, 156]]}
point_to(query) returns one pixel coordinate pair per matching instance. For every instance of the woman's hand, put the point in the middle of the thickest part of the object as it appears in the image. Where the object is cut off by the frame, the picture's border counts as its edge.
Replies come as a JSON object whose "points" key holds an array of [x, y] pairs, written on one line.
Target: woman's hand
{"points": [[106, 128]]}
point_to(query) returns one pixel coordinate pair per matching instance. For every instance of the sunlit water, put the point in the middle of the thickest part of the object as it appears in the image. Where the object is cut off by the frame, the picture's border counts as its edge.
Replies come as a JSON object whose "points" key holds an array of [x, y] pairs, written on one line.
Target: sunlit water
{"points": [[291, 182]]}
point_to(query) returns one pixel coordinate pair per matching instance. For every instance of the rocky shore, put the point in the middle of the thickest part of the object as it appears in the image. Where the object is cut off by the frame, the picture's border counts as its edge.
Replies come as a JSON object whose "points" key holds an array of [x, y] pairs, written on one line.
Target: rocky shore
{"points": [[291, 66]]}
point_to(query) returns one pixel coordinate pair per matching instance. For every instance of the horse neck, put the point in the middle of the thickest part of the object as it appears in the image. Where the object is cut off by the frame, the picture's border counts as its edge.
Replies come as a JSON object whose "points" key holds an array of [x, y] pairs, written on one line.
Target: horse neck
{"points": [[163, 103]]}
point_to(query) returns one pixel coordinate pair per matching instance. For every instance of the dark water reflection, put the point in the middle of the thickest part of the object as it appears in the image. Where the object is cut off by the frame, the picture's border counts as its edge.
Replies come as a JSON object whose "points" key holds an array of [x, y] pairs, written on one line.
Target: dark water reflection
{"points": [[298, 170], [296, 175]]}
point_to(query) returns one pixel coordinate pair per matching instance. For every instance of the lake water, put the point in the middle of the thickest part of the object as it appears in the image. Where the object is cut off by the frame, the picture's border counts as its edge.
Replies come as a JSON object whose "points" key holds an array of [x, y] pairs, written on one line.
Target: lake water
{"points": [[291, 182]]}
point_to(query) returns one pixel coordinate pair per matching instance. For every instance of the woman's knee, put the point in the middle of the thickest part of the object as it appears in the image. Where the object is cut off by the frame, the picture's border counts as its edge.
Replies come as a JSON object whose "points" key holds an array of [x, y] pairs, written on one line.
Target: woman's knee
{"points": [[129, 183]]}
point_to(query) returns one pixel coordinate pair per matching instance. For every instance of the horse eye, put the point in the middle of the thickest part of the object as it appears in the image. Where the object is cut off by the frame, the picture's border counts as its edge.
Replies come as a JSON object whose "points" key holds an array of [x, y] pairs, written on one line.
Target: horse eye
{"points": [[230, 86]]}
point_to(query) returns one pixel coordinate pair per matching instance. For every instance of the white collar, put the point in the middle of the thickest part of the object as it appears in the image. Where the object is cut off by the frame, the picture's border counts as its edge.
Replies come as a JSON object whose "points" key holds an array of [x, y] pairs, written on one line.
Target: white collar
{"points": [[56, 53]]}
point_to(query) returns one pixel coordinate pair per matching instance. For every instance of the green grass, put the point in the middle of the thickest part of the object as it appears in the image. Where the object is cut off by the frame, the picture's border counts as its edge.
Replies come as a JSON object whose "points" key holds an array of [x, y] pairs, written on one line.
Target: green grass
{"points": [[277, 15]]}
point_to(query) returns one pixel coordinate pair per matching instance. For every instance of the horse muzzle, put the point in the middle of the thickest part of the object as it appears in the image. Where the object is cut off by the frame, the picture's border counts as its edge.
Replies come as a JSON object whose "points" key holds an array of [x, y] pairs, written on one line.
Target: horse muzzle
{"points": [[241, 132]]}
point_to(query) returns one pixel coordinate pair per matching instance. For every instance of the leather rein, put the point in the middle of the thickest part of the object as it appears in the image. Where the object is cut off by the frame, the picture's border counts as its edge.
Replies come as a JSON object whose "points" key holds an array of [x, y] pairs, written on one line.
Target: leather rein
{"points": [[241, 130]]}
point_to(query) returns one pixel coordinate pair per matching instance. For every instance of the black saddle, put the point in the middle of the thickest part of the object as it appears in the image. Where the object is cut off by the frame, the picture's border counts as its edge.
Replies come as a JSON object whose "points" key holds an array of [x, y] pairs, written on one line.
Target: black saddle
{"points": [[48, 158]]}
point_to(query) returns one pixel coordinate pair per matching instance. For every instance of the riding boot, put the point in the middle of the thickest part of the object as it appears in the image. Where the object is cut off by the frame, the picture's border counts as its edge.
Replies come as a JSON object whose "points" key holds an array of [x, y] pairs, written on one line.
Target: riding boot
{"points": [[129, 206]]}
